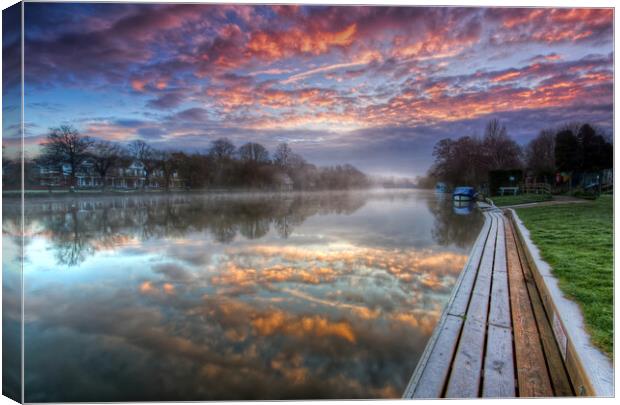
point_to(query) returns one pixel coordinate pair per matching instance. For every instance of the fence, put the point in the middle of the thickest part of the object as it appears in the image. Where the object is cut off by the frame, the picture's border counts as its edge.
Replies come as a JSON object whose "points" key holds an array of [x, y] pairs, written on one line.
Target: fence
{"points": [[535, 188]]}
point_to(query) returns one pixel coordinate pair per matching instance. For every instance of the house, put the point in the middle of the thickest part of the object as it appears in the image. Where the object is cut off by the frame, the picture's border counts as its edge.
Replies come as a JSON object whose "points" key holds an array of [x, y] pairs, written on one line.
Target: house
{"points": [[130, 177], [284, 182]]}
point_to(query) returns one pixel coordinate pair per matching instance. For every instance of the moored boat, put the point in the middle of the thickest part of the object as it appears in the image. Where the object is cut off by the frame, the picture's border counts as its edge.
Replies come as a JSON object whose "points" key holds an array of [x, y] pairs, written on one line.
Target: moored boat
{"points": [[441, 188], [464, 194]]}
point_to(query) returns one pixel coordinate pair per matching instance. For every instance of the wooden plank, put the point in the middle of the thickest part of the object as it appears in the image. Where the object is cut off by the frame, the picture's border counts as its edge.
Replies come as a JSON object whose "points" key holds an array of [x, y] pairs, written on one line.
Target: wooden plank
{"points": [[433, 378], [560, 380], [479, 304], [532, 375], [499, 312], [462, 297], [500, 246], [429, 378], [486, 264], [499, 376], [464, 380]]}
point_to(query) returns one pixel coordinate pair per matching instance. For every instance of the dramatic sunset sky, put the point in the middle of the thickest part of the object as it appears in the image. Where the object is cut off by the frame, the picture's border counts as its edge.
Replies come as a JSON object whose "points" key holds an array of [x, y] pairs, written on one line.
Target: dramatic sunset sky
{"points": [[371, 86]]}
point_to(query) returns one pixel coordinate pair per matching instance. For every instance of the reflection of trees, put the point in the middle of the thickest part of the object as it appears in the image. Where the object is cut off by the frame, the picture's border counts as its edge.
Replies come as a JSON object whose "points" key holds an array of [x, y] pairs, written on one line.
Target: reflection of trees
{"points": [[77, 227], [72, 243], [450, 228]]}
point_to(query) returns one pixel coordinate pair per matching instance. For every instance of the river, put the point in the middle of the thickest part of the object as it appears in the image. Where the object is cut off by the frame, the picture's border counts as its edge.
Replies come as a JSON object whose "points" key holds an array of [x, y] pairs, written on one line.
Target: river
{"points": [[245, 296]]}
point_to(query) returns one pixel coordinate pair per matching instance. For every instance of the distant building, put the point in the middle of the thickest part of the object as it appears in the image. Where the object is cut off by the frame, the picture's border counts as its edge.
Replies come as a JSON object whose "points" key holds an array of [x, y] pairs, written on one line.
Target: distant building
{"points": [[284, 182], [130, 177]]}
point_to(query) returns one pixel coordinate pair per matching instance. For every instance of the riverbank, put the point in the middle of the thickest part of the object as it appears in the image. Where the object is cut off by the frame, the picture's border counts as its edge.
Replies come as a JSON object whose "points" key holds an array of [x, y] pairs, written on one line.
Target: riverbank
{"points": [[210, 191], [577, 242]]}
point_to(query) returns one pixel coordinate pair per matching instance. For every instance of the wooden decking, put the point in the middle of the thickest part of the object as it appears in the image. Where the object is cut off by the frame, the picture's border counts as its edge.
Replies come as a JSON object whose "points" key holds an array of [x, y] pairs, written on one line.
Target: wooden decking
{"points": [[494, 339]]}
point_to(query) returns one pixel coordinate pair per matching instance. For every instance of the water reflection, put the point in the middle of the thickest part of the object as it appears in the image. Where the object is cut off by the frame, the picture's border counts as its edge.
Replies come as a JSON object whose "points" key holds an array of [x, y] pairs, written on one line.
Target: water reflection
{"points": [[321, 295], [463, 207]]}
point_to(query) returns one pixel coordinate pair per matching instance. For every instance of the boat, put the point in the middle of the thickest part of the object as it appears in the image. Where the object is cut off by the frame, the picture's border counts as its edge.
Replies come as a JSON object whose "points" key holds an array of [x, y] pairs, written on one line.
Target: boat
{"points": [[441, 188], [464, 194], [463, 207]]}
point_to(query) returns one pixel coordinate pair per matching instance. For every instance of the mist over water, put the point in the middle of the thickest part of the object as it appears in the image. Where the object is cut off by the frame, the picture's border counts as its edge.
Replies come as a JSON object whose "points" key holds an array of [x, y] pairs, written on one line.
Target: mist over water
{"points": [[205, 297]]}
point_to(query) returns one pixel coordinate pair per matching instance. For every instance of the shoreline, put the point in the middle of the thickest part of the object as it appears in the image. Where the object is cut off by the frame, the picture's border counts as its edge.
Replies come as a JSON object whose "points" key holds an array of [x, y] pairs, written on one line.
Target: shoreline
{"points": [[15, 195]]}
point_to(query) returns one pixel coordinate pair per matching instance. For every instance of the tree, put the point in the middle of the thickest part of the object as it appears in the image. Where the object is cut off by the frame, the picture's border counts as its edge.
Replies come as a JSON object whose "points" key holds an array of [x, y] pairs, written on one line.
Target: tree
{"points": [[500, 151], [65, 145], [168, 162], [282, 156], [253, 152], [105, 156], [222, 148], [567, 153], [459, 162], [540, 155], [596, 152], [195, 169], [146, 156], [222, 153]]}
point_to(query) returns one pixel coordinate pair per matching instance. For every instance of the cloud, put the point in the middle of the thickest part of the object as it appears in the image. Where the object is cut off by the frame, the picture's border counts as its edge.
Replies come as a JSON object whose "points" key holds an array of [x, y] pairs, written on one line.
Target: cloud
{"points": [[547, 25], [194, 72], [166, 101]]}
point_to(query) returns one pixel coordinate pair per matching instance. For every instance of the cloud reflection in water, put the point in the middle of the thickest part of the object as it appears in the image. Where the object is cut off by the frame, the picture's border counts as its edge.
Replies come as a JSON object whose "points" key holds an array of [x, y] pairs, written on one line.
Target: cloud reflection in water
{"points": [[186, 298]]}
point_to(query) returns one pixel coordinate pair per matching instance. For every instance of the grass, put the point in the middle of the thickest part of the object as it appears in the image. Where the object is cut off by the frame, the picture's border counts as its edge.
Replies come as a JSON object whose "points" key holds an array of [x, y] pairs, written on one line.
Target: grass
{"points": [[504, 200], [577, 241]]}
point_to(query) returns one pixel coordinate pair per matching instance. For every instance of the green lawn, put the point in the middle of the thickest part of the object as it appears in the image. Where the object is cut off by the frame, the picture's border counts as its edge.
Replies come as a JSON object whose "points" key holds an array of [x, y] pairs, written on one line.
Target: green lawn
{"points": [[502, 201], [577, 241]]}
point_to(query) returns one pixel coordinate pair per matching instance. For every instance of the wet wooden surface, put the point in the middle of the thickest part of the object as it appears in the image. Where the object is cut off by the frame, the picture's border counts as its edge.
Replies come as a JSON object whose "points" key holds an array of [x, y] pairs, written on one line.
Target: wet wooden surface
{"points": [[494, 338]]}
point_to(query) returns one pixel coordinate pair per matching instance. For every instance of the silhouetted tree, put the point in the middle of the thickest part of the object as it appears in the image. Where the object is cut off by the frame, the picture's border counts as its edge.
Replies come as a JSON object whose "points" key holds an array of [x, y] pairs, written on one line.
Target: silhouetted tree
{"points": [[282, 155], [596, 152], [145, 155], [253, 152], [65, 145], [540, 155], [222, 148], [567, 153], [105, 155], [500, 151], [459, 162], [168, 162]]}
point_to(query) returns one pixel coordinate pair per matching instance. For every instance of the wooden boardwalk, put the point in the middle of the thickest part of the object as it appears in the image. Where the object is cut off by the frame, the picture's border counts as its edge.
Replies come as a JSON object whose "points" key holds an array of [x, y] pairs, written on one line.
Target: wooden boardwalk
{"points": [[494, 338]]}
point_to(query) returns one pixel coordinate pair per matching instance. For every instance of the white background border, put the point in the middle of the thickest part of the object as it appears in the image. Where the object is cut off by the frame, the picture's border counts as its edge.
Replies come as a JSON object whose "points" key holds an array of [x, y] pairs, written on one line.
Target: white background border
{"points": [[475, 3]]}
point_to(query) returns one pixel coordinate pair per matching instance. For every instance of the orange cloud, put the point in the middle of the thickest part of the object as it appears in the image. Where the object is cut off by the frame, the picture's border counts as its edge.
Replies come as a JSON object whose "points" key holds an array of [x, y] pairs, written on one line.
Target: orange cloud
{"points": [[506, 77], [138, 85], [280, 44], [280, 323]]}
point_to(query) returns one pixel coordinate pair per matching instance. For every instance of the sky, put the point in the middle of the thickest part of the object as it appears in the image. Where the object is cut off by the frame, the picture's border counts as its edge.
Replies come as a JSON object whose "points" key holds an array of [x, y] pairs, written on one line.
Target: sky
{"points": [[376, 87]]}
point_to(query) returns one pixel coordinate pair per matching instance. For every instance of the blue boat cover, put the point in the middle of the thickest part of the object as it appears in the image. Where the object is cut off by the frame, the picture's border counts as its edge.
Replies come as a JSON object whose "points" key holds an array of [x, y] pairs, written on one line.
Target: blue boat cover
{"points": [[467, 191]]}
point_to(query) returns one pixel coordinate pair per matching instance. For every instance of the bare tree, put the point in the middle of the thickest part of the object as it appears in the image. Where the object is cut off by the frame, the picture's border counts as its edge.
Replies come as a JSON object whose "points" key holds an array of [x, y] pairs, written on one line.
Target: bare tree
{"points": [[500, 151], [168, 162], [283, 154], [222, 148], [146, 156], [65, 145], [540, 155], [459, 162], [253, 152], [105, 156]]}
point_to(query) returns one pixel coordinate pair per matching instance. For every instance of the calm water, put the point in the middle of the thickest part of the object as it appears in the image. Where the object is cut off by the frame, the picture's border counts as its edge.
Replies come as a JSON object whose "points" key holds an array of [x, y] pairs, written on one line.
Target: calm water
{"points": [[322, 295]]}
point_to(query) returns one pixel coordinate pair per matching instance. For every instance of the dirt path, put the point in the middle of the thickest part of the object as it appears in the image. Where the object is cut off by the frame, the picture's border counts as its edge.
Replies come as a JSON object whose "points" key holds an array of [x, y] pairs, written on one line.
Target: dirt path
{"points": [[557, 200]]}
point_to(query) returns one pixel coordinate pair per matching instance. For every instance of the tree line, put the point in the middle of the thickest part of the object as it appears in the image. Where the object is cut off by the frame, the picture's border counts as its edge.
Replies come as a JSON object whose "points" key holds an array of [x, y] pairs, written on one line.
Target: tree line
{"points": [[223, 166], [573, 148]]}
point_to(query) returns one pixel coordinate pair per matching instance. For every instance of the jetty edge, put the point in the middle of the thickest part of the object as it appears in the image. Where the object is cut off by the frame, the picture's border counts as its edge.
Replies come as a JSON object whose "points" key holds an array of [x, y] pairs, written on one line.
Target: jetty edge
{"points": [[590, 370], [435, 390], [502, 332]]}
